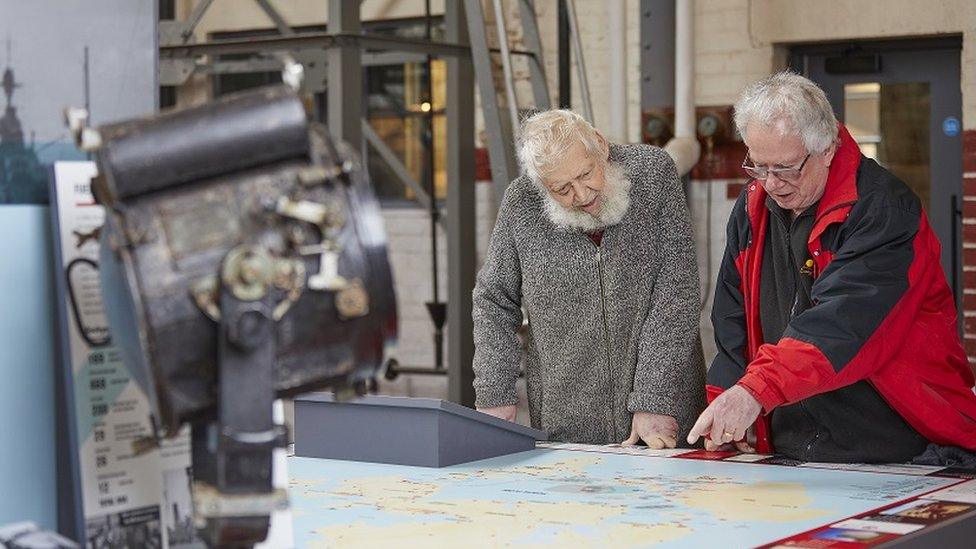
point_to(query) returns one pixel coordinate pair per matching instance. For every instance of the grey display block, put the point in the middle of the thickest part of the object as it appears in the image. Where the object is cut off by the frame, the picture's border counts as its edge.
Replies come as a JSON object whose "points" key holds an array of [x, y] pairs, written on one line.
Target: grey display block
{"points": [[405, 431]]}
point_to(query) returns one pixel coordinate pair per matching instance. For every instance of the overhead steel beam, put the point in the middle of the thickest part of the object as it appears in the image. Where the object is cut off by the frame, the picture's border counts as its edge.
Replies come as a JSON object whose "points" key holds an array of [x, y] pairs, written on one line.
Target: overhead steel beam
{"points": [[272, 64], [239, 67], [324, 40], [371, 59], [461, 226]]}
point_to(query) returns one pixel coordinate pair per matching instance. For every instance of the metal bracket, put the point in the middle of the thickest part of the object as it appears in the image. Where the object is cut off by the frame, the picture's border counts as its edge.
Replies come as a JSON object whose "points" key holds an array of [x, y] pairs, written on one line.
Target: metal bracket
{"points": [[288, 275], [233, 457]]}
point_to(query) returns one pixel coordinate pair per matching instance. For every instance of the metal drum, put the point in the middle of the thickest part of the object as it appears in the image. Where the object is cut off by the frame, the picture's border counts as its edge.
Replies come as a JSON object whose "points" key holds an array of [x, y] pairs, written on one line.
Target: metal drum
{"points": [[241, 197]]}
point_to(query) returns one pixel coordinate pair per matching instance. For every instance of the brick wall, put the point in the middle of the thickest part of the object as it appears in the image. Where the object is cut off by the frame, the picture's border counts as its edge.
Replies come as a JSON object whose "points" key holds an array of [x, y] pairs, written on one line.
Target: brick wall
{"points": [[969, 243]]}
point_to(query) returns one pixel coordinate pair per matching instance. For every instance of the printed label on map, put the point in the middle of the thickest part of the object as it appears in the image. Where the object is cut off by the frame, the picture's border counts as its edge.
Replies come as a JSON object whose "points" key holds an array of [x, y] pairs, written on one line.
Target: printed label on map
{"points": [[889, 527], [836, 537], [894, 468], [925, 512], [964, 493]]}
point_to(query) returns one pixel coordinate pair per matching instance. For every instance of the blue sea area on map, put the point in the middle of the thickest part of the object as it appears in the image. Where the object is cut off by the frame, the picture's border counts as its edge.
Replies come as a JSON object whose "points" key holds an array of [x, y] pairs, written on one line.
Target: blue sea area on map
{"points": [[559, 496]]}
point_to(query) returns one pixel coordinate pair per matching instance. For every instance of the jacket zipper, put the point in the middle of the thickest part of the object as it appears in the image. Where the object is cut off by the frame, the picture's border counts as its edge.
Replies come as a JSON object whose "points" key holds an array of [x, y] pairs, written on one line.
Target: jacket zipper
{"points": [[750, 215], [832, 208], [816, 430], [606, 331], [824, 214]]}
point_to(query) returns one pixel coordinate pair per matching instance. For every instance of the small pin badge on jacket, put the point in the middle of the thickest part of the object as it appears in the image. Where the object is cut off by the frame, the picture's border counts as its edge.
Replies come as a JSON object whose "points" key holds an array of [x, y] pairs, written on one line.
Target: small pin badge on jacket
{"points": [[807, 268]]}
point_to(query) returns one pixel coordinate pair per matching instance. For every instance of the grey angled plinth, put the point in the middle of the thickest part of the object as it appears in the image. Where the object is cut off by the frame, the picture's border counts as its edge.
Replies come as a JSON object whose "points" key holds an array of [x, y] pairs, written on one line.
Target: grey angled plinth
{"points": [[405, 431]]}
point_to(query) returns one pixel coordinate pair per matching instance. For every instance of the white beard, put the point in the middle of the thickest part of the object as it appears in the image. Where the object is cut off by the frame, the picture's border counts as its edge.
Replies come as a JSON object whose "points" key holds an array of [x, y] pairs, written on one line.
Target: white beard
{"points": [[616, 200]]}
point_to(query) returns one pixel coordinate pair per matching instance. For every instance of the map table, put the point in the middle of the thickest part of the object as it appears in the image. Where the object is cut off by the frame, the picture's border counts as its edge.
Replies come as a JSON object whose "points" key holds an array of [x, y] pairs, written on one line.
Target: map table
{"points": [[567, 497]]}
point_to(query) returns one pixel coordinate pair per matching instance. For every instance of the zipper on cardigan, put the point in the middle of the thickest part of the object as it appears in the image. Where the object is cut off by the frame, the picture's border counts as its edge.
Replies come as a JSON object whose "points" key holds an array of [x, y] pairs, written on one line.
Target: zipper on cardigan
{"points": [[606, 329]]}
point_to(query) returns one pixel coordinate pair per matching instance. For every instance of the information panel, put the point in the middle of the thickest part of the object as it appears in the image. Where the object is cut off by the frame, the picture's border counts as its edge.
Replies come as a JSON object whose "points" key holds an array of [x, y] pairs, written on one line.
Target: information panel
{"points": [[128, 499]]}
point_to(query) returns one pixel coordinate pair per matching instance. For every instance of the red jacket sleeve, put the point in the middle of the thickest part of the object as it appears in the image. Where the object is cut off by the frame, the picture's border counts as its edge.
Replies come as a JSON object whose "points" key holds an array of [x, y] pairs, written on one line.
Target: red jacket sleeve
{"points": [[865, 302]]}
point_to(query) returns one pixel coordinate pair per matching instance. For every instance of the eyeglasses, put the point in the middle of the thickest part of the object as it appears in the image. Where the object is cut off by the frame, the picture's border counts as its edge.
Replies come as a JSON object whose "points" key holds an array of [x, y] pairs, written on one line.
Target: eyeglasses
{"points": [[783, 174]]}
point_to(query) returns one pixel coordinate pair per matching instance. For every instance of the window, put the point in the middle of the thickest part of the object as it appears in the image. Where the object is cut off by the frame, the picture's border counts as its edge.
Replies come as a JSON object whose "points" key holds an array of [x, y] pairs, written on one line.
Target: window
{"points": [[398, 109], [890, 123]]}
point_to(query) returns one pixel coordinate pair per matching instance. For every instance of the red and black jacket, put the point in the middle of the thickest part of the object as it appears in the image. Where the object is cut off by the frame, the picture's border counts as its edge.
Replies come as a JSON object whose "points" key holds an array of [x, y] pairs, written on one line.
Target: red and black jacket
{"points": [[882, 310]]}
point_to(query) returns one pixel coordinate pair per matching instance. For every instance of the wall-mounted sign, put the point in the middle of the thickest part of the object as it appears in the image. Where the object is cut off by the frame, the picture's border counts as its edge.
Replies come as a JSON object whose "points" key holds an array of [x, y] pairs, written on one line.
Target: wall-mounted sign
{"points": [[951, 126]]}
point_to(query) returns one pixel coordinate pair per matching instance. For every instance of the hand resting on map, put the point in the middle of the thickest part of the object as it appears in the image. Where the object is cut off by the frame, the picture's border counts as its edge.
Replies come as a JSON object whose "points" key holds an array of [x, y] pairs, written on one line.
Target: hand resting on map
{"points": [[656, 430], [727, 420]]}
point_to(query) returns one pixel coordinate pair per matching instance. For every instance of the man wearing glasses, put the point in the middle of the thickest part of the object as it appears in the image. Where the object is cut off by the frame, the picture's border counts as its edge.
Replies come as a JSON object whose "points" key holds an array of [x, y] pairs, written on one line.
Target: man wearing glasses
{"points": [[833, 319]]}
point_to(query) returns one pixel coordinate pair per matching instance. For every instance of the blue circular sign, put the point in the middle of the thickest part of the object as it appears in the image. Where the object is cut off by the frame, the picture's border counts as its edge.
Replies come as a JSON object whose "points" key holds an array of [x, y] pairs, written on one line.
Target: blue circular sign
{"points": [[951, 126]]}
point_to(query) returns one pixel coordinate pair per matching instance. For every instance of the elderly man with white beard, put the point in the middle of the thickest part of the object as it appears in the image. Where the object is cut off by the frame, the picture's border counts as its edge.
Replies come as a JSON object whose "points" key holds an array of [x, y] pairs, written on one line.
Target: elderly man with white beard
{"points": [[593, 242]]}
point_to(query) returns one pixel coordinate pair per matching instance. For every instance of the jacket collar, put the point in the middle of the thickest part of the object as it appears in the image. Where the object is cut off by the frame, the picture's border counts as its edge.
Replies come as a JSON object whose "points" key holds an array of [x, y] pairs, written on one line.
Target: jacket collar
{"points": [[841, 188]]}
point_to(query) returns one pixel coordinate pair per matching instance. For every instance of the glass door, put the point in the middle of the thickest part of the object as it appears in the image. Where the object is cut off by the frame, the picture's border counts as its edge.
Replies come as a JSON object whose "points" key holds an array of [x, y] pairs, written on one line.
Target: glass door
{"points": [[902, 102]]}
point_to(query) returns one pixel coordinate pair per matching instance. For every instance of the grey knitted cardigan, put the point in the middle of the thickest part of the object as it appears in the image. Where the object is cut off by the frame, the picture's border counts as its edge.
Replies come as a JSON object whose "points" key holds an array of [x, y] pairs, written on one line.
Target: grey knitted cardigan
{"points": [[611, 329]]}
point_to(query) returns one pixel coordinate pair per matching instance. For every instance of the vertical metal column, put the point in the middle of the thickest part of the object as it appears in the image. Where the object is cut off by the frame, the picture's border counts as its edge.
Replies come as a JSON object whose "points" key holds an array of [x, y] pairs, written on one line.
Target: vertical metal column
{"points": [[461, 258], [345, 76], [657, 54], [501, 149], [565, 82]]}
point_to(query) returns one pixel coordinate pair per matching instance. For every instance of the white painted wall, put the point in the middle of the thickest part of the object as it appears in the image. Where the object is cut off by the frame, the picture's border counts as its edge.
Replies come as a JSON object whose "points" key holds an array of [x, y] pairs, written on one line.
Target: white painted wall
{"points": [[736, 40], [709, 245]]}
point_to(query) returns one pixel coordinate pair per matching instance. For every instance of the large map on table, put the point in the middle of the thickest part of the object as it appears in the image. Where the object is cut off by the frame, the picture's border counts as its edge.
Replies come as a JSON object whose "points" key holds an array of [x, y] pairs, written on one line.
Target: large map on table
{"points": [[568, 498]]}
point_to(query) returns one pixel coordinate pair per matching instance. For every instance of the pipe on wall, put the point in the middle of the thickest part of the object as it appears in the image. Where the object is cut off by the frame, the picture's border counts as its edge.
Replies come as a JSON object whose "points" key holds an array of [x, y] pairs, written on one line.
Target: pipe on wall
{"points": [[617, 46], [684, 147]]}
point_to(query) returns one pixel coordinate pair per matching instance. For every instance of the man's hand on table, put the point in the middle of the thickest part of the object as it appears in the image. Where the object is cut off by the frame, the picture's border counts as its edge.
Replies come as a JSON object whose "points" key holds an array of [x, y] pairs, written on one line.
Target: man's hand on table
{"points": [[726, 420], [656, 430], [507, 413]]}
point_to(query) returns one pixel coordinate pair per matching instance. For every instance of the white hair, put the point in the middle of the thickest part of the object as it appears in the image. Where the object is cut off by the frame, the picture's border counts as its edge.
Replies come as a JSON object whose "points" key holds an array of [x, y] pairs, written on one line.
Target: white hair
{"points": [[791, 103], [546, 136]]}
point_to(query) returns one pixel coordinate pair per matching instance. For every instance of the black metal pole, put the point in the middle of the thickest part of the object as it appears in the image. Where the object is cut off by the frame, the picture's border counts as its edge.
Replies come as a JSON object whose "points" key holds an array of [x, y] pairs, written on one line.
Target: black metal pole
{"points": [[437, 310], [562, 40]]}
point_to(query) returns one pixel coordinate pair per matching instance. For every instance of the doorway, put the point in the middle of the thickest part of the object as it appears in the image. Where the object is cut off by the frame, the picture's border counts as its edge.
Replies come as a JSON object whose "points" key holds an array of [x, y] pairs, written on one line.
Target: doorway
{"points": [[901, 100]]}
